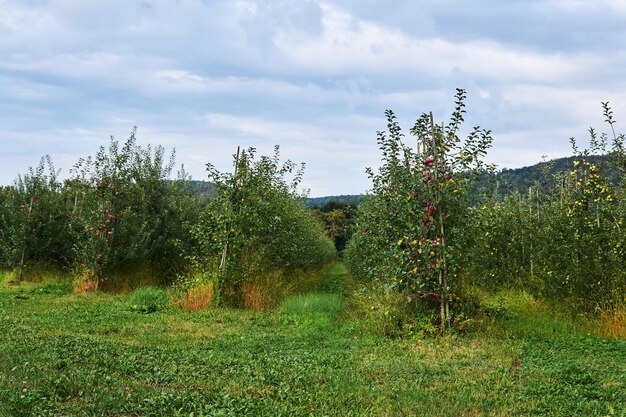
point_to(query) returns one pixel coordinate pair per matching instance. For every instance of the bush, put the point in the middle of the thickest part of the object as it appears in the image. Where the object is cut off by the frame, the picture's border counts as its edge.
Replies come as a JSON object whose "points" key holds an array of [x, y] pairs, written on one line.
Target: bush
{"points": [[127, 212], [388, 313], [34, 219], [148, 300], [196, 298]]}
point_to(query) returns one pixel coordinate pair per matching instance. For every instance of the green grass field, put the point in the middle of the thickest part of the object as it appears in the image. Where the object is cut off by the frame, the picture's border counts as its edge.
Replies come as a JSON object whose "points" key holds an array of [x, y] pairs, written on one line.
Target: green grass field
{"points": [[63, 354]]}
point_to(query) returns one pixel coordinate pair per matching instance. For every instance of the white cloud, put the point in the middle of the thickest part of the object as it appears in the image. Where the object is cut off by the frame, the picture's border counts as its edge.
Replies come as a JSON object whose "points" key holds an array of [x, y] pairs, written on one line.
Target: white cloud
{"points": [[311, 76], [348, 45]]}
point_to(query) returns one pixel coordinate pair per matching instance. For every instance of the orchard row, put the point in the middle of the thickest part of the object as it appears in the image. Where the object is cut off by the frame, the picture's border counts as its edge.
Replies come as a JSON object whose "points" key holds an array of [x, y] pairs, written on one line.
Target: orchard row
{"points": [[120, 214], [424, 235]]}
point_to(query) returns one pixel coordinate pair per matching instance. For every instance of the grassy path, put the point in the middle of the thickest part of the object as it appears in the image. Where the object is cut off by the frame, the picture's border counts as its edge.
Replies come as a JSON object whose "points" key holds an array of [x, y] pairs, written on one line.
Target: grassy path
{"points": [[90, 355], [328, 297]]}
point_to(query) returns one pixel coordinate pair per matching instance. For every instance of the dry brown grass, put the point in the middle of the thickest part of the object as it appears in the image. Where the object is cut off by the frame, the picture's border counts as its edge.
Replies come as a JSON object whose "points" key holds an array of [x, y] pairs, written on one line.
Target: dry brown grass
{"points": [[197, 298], [612, 323], [86, 283], [253, 297], [270, 288]]}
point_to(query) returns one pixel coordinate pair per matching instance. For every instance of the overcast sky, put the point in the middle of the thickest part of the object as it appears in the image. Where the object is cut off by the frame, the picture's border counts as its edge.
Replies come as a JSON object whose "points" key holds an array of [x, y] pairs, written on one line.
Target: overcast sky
{"points": [[314, 77]]}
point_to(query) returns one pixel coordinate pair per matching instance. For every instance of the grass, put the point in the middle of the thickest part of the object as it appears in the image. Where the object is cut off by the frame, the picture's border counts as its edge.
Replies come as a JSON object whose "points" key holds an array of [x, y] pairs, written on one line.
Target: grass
{"points": [[326, 299], [89, 354], [148, 300], [313, 303]]}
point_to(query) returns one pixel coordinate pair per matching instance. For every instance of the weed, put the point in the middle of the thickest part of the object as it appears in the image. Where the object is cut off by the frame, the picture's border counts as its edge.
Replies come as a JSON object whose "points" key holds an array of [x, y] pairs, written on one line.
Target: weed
{"points": [[383, 311], [148, 300], [253, 297], [611, 323], [8, 276], [85, 282], [313, 303], [197, 298]]}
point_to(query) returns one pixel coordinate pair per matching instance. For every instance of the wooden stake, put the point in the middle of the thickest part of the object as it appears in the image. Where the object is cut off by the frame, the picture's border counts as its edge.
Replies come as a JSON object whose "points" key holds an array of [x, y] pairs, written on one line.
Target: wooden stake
{"points": [[444, 307]]}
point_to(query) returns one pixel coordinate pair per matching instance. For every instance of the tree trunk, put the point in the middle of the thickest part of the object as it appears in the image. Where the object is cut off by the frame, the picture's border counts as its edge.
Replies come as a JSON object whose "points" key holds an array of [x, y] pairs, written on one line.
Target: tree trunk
{"points": [[223, 257], [25, 241]]}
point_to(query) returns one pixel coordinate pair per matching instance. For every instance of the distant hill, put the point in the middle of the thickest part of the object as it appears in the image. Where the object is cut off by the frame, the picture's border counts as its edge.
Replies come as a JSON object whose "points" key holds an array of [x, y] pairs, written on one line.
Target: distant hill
{"points": [[207, 188], [544, 173], [355, 199], [508, 180], [202, 187]]}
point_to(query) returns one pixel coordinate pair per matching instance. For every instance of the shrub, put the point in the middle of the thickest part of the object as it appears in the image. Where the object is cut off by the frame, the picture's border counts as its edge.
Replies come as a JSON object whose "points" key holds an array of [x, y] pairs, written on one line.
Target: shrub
{"points": [[563, 240], [34, 219], [127, 212], [85, 282], [385, 311]]}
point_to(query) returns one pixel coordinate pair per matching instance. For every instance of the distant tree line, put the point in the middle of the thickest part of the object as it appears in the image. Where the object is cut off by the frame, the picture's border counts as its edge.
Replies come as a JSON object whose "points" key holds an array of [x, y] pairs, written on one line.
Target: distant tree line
{"points": [[337, 216]]}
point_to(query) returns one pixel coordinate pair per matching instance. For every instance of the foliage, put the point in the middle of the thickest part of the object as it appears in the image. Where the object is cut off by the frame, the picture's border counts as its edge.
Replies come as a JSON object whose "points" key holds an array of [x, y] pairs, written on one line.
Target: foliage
{"points": [[12, 225], [119, 212], [34, 219], [127, 212], [148, 300], [518, 180], [563, 239], [409, 236], [120, 221], [258, 224], [349, 199], [385, 311], [425, 233], [337, 216]]}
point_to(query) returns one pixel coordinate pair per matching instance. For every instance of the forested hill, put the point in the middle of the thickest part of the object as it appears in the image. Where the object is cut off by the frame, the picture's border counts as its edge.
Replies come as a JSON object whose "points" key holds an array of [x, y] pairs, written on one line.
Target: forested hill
{"points": [[207, 188], [544, 173], [509, 180], [354, 199], [202, 187]]}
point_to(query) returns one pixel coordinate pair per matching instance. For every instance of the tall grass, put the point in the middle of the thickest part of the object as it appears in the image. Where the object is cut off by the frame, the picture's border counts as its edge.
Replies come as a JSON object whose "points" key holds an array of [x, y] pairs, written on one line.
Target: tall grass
{"points": [[198, 297], [268, 289], [313, 303]]}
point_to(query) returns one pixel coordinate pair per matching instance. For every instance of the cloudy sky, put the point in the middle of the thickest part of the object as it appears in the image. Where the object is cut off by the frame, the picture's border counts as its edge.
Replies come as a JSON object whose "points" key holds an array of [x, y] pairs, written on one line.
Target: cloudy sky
{"points": [[313, 76]]}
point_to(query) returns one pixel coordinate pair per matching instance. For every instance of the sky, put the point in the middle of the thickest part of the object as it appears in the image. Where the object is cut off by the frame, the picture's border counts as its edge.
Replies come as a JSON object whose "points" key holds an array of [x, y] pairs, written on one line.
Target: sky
{"points": [[314, 77]]}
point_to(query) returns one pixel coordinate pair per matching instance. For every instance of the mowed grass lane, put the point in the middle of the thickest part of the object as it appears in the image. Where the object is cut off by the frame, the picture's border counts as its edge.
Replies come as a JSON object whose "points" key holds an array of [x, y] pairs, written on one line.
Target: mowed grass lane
{"points": [[71, 355]]}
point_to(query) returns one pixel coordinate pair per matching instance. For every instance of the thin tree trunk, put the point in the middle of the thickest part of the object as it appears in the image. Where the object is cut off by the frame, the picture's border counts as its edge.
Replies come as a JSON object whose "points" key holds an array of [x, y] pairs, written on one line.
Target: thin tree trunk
{"points": [[562, 191], [228, 227], [538, 211], [530, 222], [25, 240], [75, 203]]}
